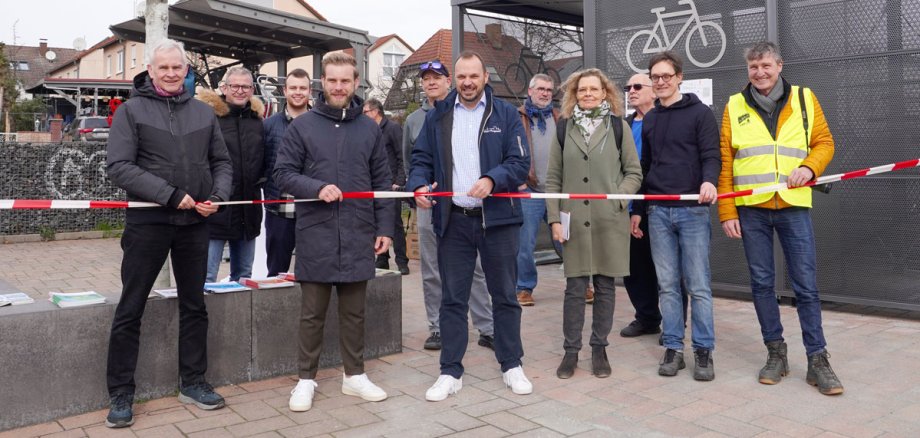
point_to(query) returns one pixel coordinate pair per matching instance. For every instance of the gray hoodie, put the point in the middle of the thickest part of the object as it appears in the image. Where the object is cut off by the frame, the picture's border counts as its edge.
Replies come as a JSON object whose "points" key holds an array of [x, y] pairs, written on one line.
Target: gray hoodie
{"points": [[411, 129]]}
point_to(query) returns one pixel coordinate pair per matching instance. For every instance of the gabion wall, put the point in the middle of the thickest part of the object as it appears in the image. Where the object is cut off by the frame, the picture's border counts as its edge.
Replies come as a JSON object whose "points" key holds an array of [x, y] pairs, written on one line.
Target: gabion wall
{"points": [[72, 171]]}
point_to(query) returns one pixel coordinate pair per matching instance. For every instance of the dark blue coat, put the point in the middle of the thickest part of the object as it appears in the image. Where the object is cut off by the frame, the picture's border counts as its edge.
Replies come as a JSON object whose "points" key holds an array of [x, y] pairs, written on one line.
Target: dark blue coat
{"points": [[503, 157], [273, 131], [335, 241]]}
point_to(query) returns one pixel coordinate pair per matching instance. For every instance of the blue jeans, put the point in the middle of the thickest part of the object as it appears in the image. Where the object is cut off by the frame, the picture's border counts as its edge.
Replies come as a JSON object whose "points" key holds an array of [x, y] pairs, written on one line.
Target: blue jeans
{"points": [[680, 249], [534, 214], [794, 229], [497, 247], [242, 253]]}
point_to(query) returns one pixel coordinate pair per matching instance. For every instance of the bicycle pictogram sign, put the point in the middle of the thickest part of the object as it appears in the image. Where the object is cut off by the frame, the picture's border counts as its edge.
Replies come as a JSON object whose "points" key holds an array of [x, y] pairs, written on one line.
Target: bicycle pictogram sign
{"points": [[701, 35]]}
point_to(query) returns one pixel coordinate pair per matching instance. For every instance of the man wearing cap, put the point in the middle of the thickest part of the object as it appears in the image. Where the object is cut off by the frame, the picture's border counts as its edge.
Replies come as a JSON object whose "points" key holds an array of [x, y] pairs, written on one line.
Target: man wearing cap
{"points": [[435, 80]]}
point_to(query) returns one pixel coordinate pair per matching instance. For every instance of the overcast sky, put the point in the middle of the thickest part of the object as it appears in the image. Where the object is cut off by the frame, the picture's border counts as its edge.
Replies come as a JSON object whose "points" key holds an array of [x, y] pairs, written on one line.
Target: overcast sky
{"points": [[61, 21]]}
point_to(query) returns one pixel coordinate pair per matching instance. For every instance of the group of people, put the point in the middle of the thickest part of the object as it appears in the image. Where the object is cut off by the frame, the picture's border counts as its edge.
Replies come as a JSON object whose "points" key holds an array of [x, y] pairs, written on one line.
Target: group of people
{"points": [[476, 249]]}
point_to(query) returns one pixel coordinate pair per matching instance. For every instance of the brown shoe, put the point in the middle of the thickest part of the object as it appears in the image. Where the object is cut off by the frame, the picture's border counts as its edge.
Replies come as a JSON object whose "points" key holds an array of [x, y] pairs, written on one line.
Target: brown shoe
{"points": [[525, 298], [589, 294]]}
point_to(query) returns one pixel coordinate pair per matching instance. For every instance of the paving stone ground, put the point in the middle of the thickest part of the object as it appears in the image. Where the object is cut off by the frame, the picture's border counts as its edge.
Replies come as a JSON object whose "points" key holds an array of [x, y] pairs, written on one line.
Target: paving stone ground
{"points": [[874, 351]]}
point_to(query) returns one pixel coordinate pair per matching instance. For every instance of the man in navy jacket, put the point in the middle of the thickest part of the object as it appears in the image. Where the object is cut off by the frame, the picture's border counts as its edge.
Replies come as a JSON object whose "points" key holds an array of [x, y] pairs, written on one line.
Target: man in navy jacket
{"points": [[473, 145]]}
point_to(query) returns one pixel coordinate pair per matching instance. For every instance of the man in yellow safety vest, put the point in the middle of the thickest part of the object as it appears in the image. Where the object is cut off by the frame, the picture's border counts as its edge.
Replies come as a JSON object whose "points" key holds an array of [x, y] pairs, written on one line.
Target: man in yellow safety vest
{"points": [[774, 132]]}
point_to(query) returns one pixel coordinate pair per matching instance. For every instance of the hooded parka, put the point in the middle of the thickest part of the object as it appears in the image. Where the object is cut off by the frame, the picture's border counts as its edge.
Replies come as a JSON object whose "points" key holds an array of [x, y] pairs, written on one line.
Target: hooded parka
{"points": [[335, 241]]}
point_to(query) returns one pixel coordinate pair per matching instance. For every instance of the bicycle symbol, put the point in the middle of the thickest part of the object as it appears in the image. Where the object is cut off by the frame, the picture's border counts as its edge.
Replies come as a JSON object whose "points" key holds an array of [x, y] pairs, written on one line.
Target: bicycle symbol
{"points": [[517, 76], [706, 32]]}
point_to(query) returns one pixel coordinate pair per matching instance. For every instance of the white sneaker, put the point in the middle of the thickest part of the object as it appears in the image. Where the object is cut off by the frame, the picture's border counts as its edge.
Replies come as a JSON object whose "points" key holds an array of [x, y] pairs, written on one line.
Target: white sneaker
{"points": [[361, 386], [302, 395], [518, 382], [445, 386]]}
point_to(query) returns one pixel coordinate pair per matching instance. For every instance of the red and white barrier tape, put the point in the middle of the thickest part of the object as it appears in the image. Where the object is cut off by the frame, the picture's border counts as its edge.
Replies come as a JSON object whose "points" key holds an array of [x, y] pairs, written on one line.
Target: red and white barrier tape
{"points": [[39, 204]]}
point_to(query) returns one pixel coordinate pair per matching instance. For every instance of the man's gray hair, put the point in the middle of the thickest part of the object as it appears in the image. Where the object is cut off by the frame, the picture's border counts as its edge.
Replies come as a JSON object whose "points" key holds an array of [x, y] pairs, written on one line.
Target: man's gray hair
{"points": [[165, 45], [541, 77], [237, 71], [761, 49]]}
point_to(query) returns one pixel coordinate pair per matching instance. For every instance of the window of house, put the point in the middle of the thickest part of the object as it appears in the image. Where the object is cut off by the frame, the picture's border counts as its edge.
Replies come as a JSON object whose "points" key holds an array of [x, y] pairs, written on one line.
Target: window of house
{"points": [[108, 66], [120, 61], [133, 55], [493, 74], [19, 65], [391, 62]]}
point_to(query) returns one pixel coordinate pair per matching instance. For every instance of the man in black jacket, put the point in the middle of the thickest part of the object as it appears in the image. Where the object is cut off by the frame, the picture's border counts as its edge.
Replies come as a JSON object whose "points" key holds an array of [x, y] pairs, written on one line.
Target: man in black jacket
{"points": [[240, 118], [680, 155], [392, 141], [164, 147], [331, 150]]}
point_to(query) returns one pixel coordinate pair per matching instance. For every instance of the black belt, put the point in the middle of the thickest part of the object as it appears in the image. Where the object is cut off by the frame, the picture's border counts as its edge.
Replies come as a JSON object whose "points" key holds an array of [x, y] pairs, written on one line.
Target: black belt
{"points": [[471, 212]]}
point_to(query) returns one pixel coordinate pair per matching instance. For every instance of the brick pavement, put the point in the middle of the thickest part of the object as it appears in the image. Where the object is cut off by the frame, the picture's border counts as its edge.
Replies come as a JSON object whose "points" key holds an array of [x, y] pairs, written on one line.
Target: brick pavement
{"points": [[875, 354]]}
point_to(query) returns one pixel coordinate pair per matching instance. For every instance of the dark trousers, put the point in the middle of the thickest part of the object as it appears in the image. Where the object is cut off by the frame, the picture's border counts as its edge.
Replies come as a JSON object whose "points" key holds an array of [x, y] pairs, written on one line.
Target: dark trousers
{"points": [[399, 240], [314, 303], [279, 243], [573, 311], [642, 283], [457, 249], [145, 249]]}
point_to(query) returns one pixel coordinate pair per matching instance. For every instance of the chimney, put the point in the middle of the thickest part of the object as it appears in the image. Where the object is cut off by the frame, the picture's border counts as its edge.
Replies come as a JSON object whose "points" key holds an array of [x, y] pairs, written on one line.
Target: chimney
{"points": [[494, 35], [42, 46]]}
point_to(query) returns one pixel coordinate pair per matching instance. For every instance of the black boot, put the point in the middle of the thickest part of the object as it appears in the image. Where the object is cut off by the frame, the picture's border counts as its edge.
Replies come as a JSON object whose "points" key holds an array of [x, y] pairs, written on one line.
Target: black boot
{"points": [[600, 366], [821, 374], [777, 364], [567, 367]]}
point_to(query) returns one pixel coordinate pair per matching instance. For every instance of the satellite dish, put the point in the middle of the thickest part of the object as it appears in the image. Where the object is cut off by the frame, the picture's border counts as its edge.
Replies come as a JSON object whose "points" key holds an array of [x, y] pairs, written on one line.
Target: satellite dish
{"points": [[140, 8], [79, 44], [50, 55]]}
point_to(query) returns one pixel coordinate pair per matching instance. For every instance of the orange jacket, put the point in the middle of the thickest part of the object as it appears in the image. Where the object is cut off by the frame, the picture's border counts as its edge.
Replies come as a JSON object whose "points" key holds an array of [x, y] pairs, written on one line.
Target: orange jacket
{"points": [[822, 151]]}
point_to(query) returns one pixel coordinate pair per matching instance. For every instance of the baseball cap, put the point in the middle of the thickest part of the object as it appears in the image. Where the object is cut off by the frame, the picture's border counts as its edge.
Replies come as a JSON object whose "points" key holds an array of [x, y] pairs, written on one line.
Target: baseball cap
{"points": [[434, 66]]}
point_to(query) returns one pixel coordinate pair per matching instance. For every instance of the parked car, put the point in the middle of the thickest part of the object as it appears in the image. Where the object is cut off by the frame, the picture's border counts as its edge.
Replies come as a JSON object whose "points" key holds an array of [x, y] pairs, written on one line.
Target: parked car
{"points": [[88, 129]]}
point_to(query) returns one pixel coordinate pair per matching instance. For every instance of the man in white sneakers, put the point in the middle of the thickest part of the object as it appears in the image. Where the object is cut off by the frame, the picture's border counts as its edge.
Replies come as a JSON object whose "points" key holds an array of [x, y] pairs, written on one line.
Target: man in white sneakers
{"points": [[338, 239], [474, 144]]}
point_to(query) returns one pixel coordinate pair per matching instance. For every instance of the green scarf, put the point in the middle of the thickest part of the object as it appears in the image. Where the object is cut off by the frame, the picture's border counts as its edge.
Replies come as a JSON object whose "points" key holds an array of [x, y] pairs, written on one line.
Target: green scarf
{"points": [[589, 120]]}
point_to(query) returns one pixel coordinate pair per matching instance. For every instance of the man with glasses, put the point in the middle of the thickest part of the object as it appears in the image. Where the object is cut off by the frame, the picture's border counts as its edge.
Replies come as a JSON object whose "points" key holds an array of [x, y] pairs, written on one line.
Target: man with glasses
{"points": [[240, 118], [680, 155], [539, 119], [392, 142], [775, 132], [279, 222], [436, 83]]}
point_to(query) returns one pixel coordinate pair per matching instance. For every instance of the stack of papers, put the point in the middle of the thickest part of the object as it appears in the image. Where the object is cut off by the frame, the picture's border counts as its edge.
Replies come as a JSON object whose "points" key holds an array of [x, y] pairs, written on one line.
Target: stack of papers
{"points": [[220, 288], [266, 283], [15, 299], [75, 299], [167, 293]]}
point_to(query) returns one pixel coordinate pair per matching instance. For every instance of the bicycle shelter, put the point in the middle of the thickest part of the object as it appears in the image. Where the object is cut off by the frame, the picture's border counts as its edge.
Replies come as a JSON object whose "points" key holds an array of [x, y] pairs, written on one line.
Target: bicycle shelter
{"points": [[862, 60], [253, 35]]}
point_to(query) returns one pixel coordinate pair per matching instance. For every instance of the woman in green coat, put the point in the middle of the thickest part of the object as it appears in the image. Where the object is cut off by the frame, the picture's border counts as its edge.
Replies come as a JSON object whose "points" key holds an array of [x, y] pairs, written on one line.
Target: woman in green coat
{"points": [[591, 161]]}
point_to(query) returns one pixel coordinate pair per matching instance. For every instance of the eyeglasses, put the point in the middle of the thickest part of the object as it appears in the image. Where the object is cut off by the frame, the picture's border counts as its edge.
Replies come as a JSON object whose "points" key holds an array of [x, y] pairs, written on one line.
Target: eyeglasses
{"points": [[665, 77], [237, 87], [368, 111], [637, 87], [543, 90]]}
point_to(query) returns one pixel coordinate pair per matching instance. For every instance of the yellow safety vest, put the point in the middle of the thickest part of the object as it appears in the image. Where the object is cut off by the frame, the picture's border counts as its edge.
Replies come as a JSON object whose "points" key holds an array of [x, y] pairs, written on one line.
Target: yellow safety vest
{"points": [[759, 159]]}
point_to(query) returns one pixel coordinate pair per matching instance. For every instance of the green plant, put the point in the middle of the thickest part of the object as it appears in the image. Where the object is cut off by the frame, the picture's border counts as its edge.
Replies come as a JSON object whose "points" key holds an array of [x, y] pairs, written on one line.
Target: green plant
{"points": [[110, 230], [47, 233]]}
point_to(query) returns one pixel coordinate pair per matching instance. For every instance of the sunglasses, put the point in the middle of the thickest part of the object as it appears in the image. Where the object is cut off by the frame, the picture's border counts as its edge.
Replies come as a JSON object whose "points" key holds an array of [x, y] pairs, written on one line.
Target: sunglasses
{"points": [[431, 65], [637, 87]]}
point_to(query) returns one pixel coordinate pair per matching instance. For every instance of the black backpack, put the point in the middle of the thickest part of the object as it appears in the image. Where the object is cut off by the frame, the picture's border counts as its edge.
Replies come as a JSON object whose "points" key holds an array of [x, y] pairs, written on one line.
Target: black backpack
{"points": [[617, 123]]}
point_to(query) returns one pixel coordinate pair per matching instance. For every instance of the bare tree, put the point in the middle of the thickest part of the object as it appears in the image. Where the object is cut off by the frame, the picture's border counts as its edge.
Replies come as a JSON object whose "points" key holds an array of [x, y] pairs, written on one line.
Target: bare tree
{"points": [[553, 40]]}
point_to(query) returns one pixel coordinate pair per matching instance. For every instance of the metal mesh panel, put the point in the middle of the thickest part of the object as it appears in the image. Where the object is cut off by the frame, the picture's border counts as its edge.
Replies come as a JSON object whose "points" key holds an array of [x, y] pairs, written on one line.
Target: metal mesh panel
{"points": [[56, 171], [628, 34], [862, 60]]}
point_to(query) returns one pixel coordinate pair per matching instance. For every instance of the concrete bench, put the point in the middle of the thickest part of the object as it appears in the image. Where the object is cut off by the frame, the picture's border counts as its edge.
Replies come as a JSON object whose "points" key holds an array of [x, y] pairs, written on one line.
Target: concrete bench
{"points": [[53, 360]]}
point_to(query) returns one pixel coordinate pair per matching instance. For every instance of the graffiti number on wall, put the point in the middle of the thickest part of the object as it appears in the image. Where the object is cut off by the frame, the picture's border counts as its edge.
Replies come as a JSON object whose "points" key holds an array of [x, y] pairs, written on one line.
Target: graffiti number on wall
{"points": [[705, 37], [71, 174]]}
